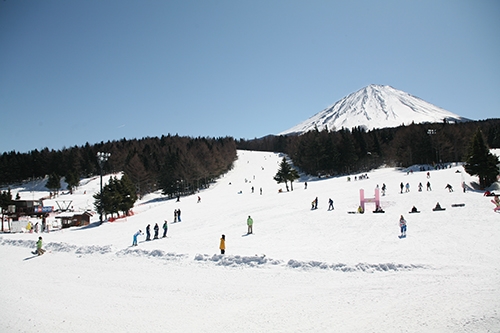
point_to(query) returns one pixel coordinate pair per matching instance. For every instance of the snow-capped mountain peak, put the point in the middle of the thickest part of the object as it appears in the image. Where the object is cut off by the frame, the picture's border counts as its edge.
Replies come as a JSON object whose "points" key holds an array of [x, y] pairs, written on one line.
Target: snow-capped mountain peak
{"points": [[375, 106]]}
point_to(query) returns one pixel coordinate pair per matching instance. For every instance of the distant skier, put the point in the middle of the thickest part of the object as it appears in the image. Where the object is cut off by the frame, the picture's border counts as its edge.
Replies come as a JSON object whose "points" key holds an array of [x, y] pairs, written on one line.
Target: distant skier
{"points": [[222, 245], [429, 186], [407, 187], [250, 225], [39, 249], [134, 242], [148, 232], [402, 186], [383, 188], [330, 204], [165, 229], [420, 186], [402, 225], [156, 228], [449, 187], [179, 215]]}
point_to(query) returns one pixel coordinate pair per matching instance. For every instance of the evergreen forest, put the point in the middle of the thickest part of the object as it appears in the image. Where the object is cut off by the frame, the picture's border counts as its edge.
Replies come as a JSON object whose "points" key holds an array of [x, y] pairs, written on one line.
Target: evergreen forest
{"points": [[181, 165]]}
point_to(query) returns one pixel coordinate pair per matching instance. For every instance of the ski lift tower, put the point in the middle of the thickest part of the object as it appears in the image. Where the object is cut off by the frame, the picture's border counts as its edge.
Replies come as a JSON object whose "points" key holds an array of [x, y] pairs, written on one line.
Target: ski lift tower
{"points": [[101, 159]]}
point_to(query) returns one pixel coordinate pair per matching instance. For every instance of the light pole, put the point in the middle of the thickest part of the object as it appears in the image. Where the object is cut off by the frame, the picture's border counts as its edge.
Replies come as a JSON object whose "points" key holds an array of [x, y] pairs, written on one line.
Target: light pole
{"points": [[101, 159]]}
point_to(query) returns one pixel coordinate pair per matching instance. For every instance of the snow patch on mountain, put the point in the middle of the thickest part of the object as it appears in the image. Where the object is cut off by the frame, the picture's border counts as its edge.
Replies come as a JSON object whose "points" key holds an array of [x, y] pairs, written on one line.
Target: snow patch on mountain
{"points": [[375, 106]]}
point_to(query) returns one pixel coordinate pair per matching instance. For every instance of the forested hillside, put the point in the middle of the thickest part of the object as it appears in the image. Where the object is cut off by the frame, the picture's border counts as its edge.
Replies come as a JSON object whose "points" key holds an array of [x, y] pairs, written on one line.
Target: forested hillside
{"points": [[345, 151], [171, 163]]}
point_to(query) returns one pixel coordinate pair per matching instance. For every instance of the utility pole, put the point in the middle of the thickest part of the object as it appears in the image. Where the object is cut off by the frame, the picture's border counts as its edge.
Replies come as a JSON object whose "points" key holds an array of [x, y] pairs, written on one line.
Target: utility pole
{"points": [[101, 159]]}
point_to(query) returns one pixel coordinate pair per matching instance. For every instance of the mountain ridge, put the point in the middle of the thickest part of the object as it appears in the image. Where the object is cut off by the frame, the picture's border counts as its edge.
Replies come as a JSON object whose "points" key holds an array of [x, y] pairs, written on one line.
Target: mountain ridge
{"points": [[375, 106]]}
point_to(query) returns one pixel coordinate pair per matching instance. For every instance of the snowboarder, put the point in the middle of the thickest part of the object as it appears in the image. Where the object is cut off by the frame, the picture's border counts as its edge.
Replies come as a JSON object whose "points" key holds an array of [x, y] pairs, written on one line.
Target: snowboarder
{"points": [[438, 207], [179, 215], [420, 187], [165, 229], [330, 204], [360, 210], [449, 187], [134, 242], [407, 187], [414, 209], [402, 225], [156, 229], [39, 249], [383, 188], [148, 232], [175, 215], [250, 225], [222, 245]]}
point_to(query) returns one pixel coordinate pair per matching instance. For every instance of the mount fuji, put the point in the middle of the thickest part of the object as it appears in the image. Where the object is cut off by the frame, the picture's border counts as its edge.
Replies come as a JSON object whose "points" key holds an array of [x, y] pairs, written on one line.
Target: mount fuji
{"points": [[375, 106]]}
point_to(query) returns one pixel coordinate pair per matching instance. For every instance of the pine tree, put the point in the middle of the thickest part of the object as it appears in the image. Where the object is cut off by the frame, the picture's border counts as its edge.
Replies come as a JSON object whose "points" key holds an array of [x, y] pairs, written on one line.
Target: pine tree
{"points": [[481, 162], [286, 174], [54, 183]]}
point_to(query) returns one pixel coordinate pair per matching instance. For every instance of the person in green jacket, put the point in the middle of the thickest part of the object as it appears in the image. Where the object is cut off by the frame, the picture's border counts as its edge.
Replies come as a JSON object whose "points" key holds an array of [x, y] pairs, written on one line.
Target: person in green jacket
{"points": [[39, 249], [250, 225]]}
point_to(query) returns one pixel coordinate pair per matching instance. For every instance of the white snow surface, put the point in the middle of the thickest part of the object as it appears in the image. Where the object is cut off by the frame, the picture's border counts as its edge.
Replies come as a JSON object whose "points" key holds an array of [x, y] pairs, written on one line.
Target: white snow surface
{"points": [[302, 270], [375, 106]]}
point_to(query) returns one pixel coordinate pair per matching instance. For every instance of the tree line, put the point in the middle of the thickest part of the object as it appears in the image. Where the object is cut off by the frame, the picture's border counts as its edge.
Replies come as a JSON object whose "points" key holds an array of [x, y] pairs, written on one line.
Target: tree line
{"points": [[174, 164], [357, 150]]}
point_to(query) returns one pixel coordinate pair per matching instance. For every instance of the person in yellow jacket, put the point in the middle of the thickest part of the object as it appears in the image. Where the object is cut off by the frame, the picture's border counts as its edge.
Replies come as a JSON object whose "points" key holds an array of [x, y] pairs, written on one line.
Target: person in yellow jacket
{"points": [[222, 245]]}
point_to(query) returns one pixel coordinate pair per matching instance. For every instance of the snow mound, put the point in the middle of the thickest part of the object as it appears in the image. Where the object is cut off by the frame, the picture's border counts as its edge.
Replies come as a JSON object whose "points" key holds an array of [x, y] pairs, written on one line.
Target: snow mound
{"points": [[364, 267], [233, 261], [153, 253]]}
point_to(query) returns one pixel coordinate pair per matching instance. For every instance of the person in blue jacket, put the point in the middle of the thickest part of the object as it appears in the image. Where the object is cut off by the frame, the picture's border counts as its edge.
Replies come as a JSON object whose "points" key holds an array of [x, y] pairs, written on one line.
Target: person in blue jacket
{"points": [[134, 242]]}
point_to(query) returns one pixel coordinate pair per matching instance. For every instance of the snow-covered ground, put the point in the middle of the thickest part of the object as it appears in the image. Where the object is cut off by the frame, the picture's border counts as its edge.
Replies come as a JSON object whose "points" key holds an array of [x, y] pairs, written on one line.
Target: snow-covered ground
{"points": [[302, 270]]}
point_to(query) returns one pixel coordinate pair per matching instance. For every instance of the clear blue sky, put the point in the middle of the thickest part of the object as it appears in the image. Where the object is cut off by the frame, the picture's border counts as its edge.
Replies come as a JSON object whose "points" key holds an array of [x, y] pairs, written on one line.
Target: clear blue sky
{"points": [[73, 72]]}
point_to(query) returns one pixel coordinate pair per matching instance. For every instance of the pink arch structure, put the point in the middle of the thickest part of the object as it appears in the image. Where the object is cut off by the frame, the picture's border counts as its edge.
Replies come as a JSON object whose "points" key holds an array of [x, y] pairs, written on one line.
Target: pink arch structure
{"points": [[375, 199]]}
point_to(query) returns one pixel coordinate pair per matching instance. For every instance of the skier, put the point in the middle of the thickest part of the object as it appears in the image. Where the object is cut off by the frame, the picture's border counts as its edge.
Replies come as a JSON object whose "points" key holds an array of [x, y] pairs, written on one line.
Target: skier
{"points": [[420, 187], [175, 215], [39, 249], [401, 186], [165, 229], [402, 225], [179, 215], [199, 199], [222, 245], [429, 186], [449, 187], [250, 225], [383, 188], [330, 203], [148, 232], [407, 187], [156, 229], [316, 203], [134, 242]]}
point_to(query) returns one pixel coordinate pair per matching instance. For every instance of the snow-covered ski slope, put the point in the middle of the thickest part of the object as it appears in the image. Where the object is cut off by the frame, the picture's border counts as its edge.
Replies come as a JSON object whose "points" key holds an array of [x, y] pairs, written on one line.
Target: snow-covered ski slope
{"points": [[301, 270]]}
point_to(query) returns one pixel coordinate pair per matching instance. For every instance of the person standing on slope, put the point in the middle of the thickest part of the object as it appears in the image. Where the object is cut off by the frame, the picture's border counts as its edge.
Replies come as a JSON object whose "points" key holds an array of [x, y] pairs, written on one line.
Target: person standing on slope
{"points": [[222, 245], [134, 242], [165, 229], [156, 229], [148, 232], [250, 225], [402, 225]]}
